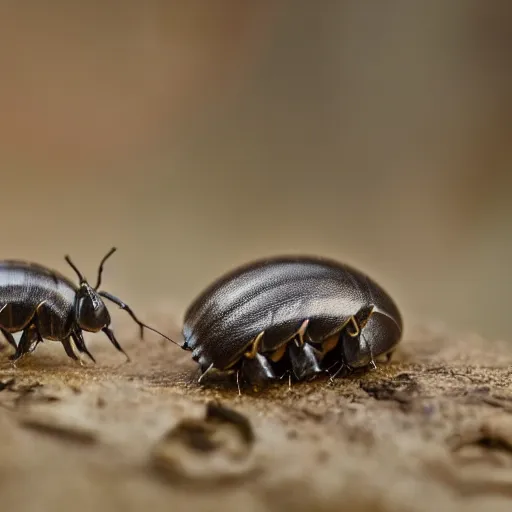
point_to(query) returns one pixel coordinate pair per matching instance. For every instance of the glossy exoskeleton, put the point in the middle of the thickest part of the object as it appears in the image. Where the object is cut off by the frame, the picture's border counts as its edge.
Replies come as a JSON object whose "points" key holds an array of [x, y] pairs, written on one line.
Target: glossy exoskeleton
{"points": [[44, 304], [303, 315]]}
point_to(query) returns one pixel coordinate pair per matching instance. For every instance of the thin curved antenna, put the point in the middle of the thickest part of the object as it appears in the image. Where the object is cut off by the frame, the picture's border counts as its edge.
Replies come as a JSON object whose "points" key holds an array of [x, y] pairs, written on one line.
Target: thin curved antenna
{"points": [[100, 269], [127, 308], [73, 266]]}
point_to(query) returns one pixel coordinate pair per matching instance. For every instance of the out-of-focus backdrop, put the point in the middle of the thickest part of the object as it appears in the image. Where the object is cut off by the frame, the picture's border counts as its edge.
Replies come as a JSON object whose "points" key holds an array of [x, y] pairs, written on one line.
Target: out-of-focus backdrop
{"points": [[198, 135]]}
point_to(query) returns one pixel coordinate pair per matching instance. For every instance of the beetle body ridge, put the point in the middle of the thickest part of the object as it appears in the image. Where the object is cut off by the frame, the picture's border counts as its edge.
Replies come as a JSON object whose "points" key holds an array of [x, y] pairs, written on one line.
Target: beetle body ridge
{"points": [[300, 306], [28, 289]]}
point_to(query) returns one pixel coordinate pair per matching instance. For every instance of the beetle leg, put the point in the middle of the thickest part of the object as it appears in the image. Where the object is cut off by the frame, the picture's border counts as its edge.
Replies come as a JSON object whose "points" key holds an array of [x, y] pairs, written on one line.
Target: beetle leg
{"points": [[356, 331], [66, 343], [371, 363], [80, 344], [114, 342], [258, 370], [289, 374], [389, 356], [255, 345], [330, 343], [278, 354], [343, 368], [302, 331], [305, 360], [10, 338], [238, 382], [208, 370], [30, 334], [38, 337]]}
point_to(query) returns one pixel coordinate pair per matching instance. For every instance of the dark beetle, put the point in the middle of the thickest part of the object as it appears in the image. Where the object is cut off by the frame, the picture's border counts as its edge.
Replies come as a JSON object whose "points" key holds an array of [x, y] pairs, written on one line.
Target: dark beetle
{"points": [[303, 314], [44, 304]]}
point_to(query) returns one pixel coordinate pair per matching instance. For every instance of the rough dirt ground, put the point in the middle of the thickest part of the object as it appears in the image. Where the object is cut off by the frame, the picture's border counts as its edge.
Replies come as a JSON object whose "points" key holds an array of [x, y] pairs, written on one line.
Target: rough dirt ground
{"points": [[430, 431]]}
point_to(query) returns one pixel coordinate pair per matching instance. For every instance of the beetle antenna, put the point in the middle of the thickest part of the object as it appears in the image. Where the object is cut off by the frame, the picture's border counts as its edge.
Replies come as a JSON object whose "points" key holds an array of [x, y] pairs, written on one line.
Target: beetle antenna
{"points": [[100, 269], [73, 266], [126, 308]]}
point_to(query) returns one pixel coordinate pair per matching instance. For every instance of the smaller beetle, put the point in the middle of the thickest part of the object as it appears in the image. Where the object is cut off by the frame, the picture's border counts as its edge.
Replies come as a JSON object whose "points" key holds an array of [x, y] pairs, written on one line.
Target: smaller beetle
{"points": [[299, 315], [44, 304]]}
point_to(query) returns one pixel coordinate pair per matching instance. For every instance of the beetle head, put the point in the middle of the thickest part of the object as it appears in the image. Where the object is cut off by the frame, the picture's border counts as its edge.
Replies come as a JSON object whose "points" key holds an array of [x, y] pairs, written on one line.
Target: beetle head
{"points": [[91, 313], [380, 334]]}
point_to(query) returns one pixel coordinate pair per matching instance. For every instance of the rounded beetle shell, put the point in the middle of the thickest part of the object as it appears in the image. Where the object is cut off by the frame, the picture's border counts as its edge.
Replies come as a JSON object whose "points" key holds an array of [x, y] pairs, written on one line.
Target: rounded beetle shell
{"points": [[275, 296], [27, 288]]}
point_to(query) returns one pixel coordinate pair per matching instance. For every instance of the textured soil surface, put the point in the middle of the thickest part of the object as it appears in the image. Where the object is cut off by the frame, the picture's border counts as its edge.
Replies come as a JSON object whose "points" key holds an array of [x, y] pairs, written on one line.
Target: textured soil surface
{"points": [[432, 430]]}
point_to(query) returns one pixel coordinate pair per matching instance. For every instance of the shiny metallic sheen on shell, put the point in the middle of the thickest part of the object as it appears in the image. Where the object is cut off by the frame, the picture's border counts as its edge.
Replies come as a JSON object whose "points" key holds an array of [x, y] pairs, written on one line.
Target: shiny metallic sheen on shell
{"points": [[276, 295], [44, 304], [24, 287]]}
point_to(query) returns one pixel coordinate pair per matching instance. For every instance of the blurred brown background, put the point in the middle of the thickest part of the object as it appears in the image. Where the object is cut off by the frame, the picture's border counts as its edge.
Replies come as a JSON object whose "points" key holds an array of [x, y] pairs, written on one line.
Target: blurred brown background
{"points": [[197, 135]]}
